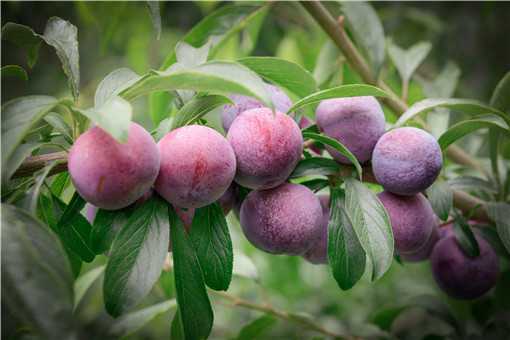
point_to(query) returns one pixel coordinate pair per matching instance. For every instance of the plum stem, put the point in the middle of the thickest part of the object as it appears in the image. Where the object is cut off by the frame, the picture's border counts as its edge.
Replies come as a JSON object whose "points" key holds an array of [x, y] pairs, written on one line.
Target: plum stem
{"points": [[356, 60]]}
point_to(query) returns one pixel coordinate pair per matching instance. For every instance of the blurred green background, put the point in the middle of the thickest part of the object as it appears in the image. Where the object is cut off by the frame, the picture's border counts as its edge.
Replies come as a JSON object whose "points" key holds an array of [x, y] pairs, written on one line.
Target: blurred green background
{"points": [[111, 35]]}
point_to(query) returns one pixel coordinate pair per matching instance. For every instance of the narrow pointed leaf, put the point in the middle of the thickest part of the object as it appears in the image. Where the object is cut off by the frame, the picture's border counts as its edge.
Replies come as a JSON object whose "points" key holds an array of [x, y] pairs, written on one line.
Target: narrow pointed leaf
{"points": [[196, 108], [500, 213], [137, 257], [153, 7], [352, 90], [211, 238], [283, 73], [113, 84], [315, 166], [194, 307], [14, 71], [84, 282], [465, 127], [440, 196], [346, 256], [371, 223]]}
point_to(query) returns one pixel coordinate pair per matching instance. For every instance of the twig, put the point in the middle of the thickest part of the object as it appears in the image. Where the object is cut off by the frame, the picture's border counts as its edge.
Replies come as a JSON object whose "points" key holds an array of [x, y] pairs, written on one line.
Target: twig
{"points": [[359, 64], [303, 321]]}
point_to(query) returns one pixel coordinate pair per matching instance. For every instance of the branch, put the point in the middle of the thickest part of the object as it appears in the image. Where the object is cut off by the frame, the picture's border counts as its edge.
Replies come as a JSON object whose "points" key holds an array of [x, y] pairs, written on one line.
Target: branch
{"points": [[359, 64], [291, 317], [462, 200]]}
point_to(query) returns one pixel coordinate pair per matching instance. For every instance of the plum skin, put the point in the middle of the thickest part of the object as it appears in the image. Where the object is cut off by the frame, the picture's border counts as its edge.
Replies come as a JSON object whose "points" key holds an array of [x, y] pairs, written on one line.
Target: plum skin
{"points": [[412, 220], [111, 175], [283, 220], [406, 160], [424, 252], [242, 103], [356, 122], [461, 276], [197, 166], [267, 146], [318, 252]]}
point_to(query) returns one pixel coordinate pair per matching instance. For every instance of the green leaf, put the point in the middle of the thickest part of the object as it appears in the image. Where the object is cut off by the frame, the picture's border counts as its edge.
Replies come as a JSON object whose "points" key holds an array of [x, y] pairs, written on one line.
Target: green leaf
{"points": [[465, 237], [219, 26], [23, 37], [14, 71], [465, 127], [315, 166], [73, 229], [59, 183], [346, 256], [352, 90], [63, 36], [257, 328], [60, 125], [327, 63], [371, 223], [367, 30], [37, 283], [316, 184], [195, 309], [196, 108], [219, 77], [107, 224], [59, 34], [190, 56], [464, 105], [16, 159], [132, 322], [163, 128], [113, 84], [501, 96], [472, 183], [159, 106], [499, 212], [211, 238], [137, 257], [19, 116], [407, 61], [283, 73], [114, 116], [440, 196], [31, 199], [176, 328], [84, 282], [153, 7], [337, 146]]}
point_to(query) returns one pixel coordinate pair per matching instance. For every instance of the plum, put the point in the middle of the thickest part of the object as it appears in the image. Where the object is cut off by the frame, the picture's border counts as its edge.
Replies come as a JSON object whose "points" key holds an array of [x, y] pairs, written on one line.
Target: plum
{"points": [[283, 220], [424, 252], [267, 145], [111, 175], [356, 122], [90, 212], [228, 199], [406, 160], [242, 103], [318, 252], [412, 220], [461, 276], [197, 166]]}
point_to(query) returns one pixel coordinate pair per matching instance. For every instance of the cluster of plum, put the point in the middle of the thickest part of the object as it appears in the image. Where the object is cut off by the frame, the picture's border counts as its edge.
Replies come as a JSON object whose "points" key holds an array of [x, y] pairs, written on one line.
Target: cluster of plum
{"points": [[194, 166]]}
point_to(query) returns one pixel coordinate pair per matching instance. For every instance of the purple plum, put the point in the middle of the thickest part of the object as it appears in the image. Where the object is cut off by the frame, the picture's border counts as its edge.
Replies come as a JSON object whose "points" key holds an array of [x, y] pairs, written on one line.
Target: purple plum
{"points": [[283, 220], [318, 252], [356, 122], [111, 175], [406, 160], [267, 146], [242, 103], [197, 166]]}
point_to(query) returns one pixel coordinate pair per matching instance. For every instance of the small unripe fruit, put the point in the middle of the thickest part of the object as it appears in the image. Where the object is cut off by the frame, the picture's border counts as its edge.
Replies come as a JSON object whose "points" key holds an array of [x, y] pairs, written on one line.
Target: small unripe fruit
{"points": [[461, 276], [242, 103], [356, 122], [318, 252], [406, 160], [197, 166], [267, 145], [412, 220], [111, 175], [283, 220]]}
